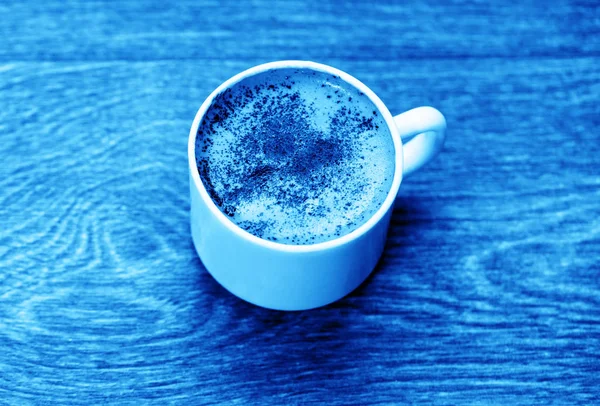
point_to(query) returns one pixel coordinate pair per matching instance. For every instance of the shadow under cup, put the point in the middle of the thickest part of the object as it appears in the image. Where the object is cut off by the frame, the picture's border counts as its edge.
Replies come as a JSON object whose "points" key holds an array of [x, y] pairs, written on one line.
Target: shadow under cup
{"points": [[287, 276]]}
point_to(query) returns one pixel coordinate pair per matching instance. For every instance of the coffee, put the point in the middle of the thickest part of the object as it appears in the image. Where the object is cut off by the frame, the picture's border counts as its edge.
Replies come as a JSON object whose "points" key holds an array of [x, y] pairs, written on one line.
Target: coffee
{"points": [[295, 156]]}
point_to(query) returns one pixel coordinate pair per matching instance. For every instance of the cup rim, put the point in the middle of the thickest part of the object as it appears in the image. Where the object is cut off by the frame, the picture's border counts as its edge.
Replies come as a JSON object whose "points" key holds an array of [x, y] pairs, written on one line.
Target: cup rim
{"points": [[325, 245]]}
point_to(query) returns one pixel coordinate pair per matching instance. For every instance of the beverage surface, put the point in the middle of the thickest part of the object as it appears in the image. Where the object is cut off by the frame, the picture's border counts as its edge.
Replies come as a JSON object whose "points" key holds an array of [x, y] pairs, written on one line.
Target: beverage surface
{"points": [[295, 156]]}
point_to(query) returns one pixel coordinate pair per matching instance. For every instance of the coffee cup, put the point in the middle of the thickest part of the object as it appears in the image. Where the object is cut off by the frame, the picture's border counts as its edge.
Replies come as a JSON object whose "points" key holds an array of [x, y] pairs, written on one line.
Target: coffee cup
{"points": [[286, 276]]}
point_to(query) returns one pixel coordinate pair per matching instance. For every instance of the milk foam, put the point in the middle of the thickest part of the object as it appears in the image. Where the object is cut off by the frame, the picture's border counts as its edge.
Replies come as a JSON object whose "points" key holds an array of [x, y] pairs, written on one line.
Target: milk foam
{"points": [[295, 156]]}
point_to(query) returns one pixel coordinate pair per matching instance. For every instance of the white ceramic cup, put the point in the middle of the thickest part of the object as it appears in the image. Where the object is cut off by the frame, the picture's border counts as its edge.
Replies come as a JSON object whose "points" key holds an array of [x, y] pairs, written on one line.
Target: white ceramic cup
{"points": [[297, 277]]}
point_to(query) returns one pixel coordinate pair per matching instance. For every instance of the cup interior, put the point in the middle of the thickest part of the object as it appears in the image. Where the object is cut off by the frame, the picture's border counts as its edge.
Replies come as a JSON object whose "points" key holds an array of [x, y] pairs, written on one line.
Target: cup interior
{"points": [[303, 65]]}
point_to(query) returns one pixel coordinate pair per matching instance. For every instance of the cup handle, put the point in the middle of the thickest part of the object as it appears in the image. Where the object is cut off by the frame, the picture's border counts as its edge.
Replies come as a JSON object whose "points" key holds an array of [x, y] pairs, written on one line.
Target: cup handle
{"points": [[422, 131]]}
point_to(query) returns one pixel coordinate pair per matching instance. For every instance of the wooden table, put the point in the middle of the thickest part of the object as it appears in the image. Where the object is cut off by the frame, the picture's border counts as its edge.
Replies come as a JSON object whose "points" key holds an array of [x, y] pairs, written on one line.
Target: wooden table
{"points": [[488, 291]]}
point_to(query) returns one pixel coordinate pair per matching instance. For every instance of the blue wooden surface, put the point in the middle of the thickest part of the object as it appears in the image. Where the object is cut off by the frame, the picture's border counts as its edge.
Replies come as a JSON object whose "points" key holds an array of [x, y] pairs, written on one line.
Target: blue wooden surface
{"points": [[488, 291]]}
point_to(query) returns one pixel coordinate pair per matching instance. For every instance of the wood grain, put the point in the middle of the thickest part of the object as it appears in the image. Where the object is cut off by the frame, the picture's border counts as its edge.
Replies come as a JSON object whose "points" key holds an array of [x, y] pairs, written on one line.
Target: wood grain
{"points": [[232, 30], [488, 291]]}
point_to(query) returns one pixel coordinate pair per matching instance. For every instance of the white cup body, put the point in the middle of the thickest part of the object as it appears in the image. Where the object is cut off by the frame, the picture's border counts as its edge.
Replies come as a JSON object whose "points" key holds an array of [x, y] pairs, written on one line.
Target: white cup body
{"points": [[282, 276]]}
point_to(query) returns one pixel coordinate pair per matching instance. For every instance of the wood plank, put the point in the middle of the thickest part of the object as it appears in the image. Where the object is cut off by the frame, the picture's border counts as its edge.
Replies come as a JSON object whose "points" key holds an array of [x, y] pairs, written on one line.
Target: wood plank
{"points": [[387, 30], [488, 291]]}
